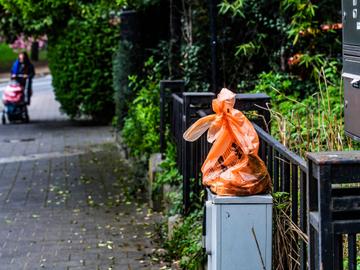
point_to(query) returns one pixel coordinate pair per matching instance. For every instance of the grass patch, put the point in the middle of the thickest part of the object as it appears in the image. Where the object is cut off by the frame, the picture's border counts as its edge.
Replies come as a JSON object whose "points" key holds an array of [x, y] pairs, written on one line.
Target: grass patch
{"points": [[6, 53], [43, 55]]}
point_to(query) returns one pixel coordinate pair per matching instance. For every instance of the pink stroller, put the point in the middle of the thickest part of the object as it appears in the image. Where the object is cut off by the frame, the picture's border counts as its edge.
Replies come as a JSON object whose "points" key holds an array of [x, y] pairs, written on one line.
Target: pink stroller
{"points": [[14, 100]]}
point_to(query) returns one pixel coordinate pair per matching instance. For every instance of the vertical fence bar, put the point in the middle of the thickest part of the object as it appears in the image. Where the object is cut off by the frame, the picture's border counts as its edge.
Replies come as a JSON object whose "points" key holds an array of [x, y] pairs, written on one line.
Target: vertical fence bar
{"points": [[270, 160], [262, 150], [294, 208], [352, 251], [286, 175], [276, 171], [303, 220], [294, 193], [162, 120], [186, 149], [196, 167], [338, 252], [166, 90], [176, 127], [191, 102]]}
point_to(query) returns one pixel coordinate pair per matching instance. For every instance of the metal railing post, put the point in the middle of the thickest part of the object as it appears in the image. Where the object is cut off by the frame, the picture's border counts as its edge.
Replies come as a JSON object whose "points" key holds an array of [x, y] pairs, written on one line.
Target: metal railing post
{"points": [[173, 86], [333, 207]]}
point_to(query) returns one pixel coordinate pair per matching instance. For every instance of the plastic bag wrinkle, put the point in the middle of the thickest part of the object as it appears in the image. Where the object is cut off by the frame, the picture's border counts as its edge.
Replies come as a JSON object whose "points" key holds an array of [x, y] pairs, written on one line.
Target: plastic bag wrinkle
{"points": [[232, 166]]}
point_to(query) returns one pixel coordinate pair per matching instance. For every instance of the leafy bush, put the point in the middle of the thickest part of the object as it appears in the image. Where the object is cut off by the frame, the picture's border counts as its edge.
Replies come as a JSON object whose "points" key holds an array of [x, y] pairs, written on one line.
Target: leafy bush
{"points": [[141, 126], [294, 36], [185, 243], [168, 174], [192, 65], [136, 4], [128, 60], [80, 62], [124, 64]]}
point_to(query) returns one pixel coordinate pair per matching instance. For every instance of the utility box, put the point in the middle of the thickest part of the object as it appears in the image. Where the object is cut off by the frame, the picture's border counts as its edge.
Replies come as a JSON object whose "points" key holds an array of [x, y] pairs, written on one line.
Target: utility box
{"points": [[238, 232], [351, 66]]}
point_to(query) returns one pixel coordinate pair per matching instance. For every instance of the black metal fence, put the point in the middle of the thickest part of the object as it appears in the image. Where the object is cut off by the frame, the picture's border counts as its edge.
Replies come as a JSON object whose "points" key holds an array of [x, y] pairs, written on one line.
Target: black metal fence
{"points": [[334, 210], [289, 173]]}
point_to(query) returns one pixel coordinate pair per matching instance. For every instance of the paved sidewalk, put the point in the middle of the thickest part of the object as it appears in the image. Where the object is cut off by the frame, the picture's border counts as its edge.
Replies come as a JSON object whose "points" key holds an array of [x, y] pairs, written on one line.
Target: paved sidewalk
{"points": [[66, 197]]}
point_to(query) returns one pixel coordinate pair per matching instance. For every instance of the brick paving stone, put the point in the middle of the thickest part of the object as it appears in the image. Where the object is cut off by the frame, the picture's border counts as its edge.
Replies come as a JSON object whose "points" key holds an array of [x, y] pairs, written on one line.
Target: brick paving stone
{"points": [[63, 201]]}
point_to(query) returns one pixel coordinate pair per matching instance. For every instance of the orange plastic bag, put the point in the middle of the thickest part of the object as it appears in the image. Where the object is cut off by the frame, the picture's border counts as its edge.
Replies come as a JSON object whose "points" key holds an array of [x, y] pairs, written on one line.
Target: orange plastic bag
{"points": [[232, 166]]}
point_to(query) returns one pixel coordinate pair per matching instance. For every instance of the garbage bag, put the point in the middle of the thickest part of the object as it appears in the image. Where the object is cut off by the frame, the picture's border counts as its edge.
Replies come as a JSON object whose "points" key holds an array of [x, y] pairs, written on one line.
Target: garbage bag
{"points": [[232, 167]]}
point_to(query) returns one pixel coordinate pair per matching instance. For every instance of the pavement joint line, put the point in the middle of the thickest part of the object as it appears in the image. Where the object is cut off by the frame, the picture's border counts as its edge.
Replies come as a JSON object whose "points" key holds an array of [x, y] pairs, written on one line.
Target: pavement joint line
{"points": [[6, 199], [48, 155], [48, 183]]}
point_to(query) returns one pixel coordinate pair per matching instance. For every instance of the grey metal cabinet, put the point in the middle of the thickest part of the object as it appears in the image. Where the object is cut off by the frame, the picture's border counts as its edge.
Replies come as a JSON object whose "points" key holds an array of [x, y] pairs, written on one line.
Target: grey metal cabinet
{"points": [[351, 66], [239, 232]]}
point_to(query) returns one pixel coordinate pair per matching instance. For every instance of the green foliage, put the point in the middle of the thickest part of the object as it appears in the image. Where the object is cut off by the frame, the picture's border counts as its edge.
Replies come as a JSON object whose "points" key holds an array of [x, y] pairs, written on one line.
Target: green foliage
{"points": [[262, 27], [136, 4], [281, 200], [175, 200], [141, 127], [314, 62], [80, 62], [7, 57], [10, 25], [274, 82], [346, 262], [195, 79], [124, 63], [39, 17], [51, 16], [6, 53], [304, 119], [302, 15], [255, 35], [81, 45], [247, 49], [234, 7], [168, 174], [185, 243], [274, 31]]}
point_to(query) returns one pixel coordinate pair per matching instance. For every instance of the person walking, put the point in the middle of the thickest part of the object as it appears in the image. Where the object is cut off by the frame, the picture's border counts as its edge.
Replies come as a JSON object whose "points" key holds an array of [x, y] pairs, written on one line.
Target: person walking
{"points": [[23, 71]]}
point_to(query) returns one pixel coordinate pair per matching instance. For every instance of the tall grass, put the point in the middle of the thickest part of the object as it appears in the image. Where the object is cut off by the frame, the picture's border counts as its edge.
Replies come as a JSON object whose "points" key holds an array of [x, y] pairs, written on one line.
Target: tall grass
{"points": [[315, 123]]}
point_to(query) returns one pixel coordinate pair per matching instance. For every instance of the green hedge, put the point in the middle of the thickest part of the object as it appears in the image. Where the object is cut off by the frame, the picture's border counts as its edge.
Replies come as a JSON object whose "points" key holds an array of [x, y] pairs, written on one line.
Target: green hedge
{"points": [[80, 60], [125, 62], [141, 126]]}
